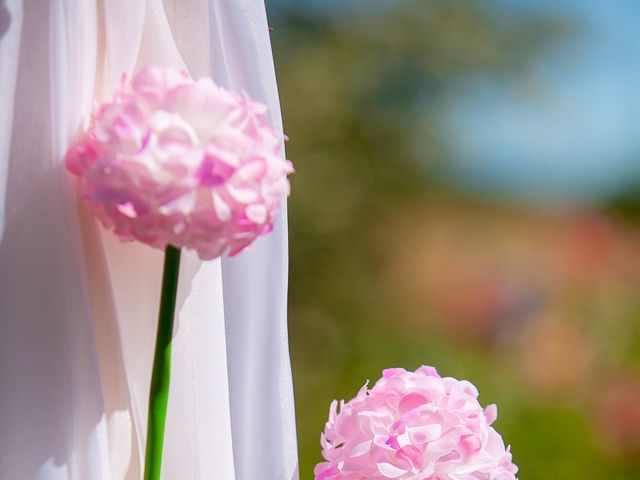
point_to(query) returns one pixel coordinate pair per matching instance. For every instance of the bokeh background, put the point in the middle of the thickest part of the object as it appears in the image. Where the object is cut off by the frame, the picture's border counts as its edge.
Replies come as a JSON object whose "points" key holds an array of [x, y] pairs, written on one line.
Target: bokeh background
{"points": [[467, 195]]}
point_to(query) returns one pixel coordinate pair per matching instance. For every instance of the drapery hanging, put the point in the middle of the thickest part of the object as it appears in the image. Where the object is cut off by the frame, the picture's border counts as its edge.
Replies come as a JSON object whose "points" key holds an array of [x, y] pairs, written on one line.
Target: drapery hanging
{"points": [[78, 308]]}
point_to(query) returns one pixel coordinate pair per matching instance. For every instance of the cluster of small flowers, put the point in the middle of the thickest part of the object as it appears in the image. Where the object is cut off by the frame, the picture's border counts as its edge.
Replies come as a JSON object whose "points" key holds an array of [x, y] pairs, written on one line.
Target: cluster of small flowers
{"points": [[173, 161], [414, 426]]}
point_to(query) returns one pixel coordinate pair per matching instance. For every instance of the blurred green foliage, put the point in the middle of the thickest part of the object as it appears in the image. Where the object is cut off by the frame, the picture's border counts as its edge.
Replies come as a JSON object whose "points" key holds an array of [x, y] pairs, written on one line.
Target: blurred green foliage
{"points": [[362, 103]]}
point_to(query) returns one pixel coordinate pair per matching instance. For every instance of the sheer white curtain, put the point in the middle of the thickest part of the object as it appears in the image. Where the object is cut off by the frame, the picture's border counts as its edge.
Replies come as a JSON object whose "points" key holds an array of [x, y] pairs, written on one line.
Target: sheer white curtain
{"points": [[78, 308]]}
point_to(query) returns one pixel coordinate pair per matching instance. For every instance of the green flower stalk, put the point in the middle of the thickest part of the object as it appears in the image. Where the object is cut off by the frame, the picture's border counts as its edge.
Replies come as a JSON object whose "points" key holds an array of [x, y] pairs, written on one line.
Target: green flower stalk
{"points": [[161, 376]]}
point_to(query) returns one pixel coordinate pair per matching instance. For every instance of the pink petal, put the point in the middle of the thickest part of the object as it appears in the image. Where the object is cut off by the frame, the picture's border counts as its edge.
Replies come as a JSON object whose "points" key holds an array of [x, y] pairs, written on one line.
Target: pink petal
{"points": [[491, 413]]}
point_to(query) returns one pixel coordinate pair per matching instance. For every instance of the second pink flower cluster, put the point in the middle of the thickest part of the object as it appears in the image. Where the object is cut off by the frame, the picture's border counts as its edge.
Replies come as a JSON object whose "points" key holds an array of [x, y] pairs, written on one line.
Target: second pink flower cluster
{"points": [[414, 426]]}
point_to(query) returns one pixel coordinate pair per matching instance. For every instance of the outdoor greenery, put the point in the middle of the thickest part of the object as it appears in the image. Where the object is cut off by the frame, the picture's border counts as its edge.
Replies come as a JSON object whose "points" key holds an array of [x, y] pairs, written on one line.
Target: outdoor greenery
{"points": [[390, 266]]}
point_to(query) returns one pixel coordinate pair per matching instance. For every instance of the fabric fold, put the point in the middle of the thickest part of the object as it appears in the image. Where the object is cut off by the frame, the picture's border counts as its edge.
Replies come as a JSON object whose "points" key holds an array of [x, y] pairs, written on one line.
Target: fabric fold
{"points": [[78, 308], [255, 283], [51, 409], [11, 17]]}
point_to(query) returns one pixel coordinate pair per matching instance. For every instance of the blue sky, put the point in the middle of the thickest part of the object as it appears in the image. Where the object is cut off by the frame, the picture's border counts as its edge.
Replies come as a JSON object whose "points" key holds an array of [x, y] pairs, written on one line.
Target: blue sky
{"points": [[577, 134], [571, 130]]}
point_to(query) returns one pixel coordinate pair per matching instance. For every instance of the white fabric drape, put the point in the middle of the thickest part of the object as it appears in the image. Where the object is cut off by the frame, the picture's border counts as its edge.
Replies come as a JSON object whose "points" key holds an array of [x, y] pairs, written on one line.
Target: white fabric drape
{"points": [[78, 308]]}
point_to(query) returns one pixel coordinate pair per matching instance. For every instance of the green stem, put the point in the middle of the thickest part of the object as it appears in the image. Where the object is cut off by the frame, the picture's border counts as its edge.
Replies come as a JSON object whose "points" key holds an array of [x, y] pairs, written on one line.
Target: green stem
{"points": [[161, 376]]}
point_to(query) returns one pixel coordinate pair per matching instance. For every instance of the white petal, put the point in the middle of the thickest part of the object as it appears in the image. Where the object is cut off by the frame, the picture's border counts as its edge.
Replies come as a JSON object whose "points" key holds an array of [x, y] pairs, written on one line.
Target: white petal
{"points": [[242, 195], [223, 211], [256, 213], [390, 471], [361, 449], [127, 209], [426, 433]]}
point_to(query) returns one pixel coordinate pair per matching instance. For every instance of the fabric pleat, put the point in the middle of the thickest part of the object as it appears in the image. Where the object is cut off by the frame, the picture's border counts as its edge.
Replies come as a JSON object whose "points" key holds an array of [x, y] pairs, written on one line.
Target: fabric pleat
{"points": [[255, 284], [78, 308], [51, 411], [11, 16]]}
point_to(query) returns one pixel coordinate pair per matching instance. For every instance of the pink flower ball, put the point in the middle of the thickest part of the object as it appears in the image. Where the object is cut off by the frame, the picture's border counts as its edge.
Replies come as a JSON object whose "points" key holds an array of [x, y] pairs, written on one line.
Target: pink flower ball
{"points": [[173, 161], [414, 426]]}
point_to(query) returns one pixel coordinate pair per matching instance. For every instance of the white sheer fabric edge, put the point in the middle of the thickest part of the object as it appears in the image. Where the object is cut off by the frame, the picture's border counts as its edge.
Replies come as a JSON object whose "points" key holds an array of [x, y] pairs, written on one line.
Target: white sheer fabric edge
{"points": [[78, 409]]}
